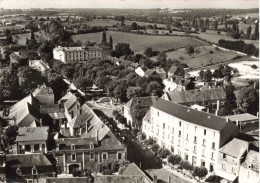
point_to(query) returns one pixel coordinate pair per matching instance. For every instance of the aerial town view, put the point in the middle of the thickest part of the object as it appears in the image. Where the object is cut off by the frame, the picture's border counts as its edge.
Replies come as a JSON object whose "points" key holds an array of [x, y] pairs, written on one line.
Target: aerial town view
{"points": [[129, 91]]}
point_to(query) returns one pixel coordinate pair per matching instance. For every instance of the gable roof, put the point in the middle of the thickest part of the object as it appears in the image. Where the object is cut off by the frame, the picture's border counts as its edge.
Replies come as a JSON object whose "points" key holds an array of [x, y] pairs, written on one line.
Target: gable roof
{"points": [[252, 160], [188, 96], [149, 72], [27, 160], [144, 102], [80, 120], [120, 179], [190, 115], [70, 102], [79, 142], [235, 148], [42, 90], [32, 133], [66, 97]]}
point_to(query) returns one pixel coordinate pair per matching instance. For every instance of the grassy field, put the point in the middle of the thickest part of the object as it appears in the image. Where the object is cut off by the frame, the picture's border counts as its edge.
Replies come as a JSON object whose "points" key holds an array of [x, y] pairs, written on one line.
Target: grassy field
{"points": [[138, 43], [201, 57], [110, 22], [212, 36]]}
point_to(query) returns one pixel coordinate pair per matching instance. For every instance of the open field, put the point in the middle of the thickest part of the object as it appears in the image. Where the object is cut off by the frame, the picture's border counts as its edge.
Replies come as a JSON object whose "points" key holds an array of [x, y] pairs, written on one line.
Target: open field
{"points": [[201, 57], [110, 22], [138, 43], [212, 36]]}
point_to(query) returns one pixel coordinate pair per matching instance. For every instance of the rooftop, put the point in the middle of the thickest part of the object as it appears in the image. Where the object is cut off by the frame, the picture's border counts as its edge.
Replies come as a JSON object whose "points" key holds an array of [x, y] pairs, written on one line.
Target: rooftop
{"points": [[190, 115], [243, 117], [32, 133], [235, 148], [188, 96], [252, 160]]}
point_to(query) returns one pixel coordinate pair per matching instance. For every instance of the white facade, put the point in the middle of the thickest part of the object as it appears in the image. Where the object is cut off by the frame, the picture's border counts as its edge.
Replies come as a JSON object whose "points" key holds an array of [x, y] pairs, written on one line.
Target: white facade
{"points": [[197, 144], [72, 54]]}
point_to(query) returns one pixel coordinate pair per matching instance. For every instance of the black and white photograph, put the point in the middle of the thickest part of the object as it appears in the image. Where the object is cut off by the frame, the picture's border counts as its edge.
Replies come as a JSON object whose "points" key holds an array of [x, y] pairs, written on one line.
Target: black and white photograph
{"points": [[129, 91]]}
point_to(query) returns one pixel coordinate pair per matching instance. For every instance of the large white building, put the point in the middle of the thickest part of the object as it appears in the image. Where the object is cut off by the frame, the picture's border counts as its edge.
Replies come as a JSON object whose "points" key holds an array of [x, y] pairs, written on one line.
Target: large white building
{"points": [[73, 54], [196, 136]]}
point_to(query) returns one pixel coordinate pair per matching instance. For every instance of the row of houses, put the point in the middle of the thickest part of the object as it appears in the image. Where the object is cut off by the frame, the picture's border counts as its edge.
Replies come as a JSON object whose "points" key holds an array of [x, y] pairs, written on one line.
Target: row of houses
{"points": [[71, 137]]}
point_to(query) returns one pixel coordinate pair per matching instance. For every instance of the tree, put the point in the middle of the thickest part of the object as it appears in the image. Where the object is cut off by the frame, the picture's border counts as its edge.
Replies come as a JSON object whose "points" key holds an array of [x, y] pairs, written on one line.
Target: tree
{"points": [[138, 115], [248, 32], [189, 49], [207, 77], [174, 159], [148, 52], [200, 172], [216, 25], [134, 26], [226, 72], [230, 104], [134, 92], [9, 38], [155, 147], [154, 88], [257, 29], [217, 74], [110, 44], [83, 83], [201, 75], [164, 153], [247, 100], [121, 49], [104, 38], [161, 56], [186, 165], [32, 34]]}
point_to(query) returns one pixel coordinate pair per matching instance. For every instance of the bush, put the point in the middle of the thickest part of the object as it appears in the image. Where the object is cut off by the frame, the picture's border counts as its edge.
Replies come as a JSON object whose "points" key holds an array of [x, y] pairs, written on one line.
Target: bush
{"points": [[115, 112], [149, 141], [200, 172], [164, 153], [134, 132], [190, 49], [254, 66], [143, 136], [155, 147]]}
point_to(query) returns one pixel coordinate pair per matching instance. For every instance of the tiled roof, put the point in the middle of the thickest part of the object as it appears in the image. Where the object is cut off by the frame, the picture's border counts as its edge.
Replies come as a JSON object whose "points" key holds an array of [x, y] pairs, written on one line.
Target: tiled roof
{"points": [[143, 102], [190, 115], [196, 95], [70, 102], [252, 160], [80, 120], [147, 117], [57, 115], [125, 63], [27, 160], [149, 72], [243, 117], [235, 148], [32, 134], [179, 80], [78, 142], [120, 179], [110, 142], [133, 169], [66, 97], [160, 71]]}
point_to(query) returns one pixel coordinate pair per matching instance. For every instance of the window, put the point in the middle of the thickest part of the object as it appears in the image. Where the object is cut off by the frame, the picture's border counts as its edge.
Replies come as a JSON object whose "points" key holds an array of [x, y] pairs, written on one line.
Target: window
{"points": [[92, 156], [158, 113], [119, 156], [202, 163], [187, 136], [36, 147], [172, 130], [43, 147], [195, 148], [212, 155], [73, 157], [195, 140], [179, 133], [213, 145], [205, 132], [180, 123], [204, 142], [72, 146], [104, 156], [223, 165], [186, 157], [195, 128], [34, 171], [163, 125], [27, 147], [224, 156], [18, 171], [29, 181], [179, 142], [172, 138], [163, 134], [91, 145]]}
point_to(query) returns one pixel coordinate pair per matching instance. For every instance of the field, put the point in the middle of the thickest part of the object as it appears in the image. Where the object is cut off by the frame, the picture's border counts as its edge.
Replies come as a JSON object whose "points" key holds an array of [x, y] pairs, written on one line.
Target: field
{"points": [[110, 22], [2, 28], [138, 43], [21, 38], [201, 57], [212, 36]]}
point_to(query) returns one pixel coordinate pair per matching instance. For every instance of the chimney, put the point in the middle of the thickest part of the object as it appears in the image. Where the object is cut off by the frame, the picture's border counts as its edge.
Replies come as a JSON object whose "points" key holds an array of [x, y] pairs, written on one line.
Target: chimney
{"points": [[155, 179], [97, 134]]}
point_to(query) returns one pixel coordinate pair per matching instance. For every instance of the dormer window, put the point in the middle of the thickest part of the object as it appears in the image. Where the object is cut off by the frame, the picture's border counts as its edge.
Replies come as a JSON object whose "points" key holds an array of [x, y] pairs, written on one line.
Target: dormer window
{"points": [[72, 146], [34, 171], [18, 171]]}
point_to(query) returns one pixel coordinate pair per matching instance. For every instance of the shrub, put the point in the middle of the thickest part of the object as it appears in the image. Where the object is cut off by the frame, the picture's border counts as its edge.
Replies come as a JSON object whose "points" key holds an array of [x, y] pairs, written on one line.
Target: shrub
{"points": [[210, 52], [149, 141], [164, 153], [115, 112], [200, 172], [254, 66], [213, 179], [143, 136], [190, 49], [134, 132]]}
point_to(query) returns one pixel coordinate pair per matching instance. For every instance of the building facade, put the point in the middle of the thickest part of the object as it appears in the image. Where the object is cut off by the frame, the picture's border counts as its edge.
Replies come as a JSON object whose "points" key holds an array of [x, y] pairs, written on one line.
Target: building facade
{"points": [[75, 54], [194, 135]]}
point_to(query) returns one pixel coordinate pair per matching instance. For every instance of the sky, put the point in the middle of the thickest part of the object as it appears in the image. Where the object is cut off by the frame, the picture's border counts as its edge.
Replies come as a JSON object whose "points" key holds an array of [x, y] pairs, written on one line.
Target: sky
{"points": [[146, 4]]}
